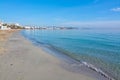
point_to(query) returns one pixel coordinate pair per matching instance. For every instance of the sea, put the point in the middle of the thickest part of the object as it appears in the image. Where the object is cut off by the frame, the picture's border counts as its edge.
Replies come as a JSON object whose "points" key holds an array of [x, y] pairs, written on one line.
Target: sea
{"points": [[98, 47]]}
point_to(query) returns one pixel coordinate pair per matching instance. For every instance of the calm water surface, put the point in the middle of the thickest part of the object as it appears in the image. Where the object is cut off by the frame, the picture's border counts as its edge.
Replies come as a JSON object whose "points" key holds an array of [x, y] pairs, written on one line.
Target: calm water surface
{"points": [[98, 47]]}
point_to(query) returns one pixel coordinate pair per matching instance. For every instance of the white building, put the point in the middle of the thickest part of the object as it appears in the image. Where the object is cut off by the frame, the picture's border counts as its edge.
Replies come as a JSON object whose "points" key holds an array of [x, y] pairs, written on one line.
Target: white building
{"points": [[17, 24], [3, 27], [0, 25], [27, 27]]}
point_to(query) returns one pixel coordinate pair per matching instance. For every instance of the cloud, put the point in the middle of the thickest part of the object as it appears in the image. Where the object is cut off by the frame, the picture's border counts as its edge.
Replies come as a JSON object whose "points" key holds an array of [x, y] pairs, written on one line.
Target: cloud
{"points": [[94, 24], [116, 9]]}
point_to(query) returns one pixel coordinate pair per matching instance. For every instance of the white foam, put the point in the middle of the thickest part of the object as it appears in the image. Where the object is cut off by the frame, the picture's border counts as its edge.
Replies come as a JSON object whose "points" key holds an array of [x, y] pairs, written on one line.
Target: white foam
{"points": [[97, 70]]}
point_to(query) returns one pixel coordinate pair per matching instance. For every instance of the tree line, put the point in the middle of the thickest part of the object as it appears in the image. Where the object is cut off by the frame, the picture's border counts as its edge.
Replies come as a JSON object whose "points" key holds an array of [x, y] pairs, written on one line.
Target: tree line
{"points": [[13, 26]]}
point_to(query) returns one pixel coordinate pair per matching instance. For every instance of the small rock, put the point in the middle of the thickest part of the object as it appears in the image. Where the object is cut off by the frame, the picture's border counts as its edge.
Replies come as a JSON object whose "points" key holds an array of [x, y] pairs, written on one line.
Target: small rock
{"points": [[11, 64]]}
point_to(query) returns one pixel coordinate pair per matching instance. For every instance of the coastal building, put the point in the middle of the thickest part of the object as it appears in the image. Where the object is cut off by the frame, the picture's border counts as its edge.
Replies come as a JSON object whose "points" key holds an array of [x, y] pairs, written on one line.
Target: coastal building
{"points": [[3, 27], [0, 24], [27, 27], [17, 24]]}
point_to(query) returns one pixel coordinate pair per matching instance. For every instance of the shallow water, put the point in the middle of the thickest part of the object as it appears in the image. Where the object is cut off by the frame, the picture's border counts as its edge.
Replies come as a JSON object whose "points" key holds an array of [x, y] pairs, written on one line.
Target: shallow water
{"points": [[98, 47]]}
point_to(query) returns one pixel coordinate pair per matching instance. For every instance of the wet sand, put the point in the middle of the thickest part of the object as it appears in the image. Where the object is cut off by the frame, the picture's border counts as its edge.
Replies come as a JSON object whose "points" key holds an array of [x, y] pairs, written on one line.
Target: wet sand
{"points": [[24, 61]]}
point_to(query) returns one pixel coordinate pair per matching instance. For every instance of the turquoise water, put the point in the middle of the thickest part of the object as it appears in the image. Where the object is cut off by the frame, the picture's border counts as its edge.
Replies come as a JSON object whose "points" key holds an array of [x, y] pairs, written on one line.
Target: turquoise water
{"points": [[98, 47]]}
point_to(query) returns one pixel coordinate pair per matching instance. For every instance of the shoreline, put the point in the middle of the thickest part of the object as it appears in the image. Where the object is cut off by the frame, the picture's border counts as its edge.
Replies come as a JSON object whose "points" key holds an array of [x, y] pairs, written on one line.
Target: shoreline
{"points": [[25, 61], [70, 61]]}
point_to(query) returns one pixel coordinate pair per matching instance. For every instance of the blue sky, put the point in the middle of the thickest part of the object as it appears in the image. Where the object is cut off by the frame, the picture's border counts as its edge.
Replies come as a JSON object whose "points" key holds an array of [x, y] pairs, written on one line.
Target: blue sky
{"points": [[61, 12]]}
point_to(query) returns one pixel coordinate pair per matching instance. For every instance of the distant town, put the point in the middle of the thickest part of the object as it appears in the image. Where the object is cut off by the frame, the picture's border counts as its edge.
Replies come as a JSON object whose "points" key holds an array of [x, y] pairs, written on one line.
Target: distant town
{"points": [[49, 27], [7, 26]]}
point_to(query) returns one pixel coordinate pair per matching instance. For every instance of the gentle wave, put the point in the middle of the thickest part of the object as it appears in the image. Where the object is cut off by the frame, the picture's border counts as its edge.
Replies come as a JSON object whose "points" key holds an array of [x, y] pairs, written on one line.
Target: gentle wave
{"points": [[91, 49], [97, 70]]}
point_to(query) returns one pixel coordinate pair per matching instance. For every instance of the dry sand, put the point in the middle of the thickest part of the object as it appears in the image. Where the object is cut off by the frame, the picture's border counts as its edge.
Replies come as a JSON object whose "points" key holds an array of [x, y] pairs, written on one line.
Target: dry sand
{"points": [[24, 61], [4, 35]]}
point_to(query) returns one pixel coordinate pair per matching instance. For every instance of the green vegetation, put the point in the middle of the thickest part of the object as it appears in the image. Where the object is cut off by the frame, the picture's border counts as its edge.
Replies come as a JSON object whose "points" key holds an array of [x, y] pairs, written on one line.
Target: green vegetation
{"points": [[13, 26]]}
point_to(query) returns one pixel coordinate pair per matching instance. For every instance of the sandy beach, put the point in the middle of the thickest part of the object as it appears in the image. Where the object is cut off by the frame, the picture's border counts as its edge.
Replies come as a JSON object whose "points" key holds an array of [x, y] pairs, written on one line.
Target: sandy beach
{"points": [[4, 35], [24, 61]]}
